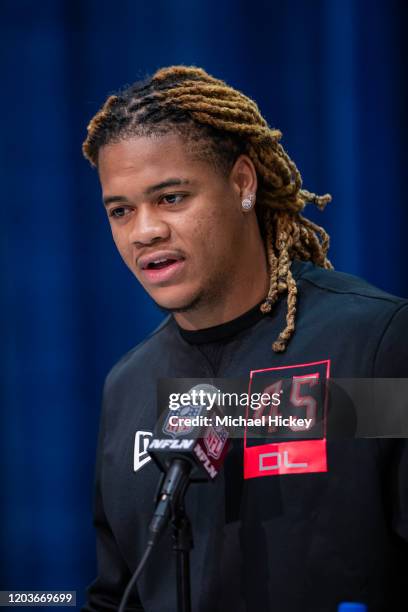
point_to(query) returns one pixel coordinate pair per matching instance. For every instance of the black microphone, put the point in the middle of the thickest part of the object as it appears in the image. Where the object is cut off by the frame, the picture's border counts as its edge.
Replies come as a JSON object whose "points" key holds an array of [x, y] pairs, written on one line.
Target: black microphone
{"points": [[188, 445]]}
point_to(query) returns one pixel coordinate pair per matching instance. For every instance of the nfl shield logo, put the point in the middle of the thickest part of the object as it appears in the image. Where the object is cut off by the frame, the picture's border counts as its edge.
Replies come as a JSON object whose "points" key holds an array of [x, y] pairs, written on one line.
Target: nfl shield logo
{"points": [[178, 428], [215, 439]]}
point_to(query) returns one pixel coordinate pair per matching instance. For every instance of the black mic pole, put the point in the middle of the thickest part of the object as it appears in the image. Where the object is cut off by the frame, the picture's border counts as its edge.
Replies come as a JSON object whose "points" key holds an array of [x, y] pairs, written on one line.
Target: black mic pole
{"points": [[183, 543], [170, 506], [185, 453]]}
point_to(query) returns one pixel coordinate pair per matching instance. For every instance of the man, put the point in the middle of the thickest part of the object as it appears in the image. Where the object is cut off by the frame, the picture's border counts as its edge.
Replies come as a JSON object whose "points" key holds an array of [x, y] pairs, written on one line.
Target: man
{"points": [[205, 208]]}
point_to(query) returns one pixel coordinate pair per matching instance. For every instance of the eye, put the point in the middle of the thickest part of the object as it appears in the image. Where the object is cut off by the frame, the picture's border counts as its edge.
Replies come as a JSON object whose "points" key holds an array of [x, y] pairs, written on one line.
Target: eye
{"points": [[172, 198], [118, 212]]}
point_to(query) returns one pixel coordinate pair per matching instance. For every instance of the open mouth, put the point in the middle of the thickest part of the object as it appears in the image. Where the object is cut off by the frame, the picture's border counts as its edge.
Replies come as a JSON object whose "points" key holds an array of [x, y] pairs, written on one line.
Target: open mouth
{"points": [[165, 269], [158, 265]]}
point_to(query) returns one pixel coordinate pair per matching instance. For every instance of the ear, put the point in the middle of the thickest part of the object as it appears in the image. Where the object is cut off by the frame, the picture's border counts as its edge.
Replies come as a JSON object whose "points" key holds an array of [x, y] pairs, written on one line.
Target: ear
{"points": [[243, 177]]}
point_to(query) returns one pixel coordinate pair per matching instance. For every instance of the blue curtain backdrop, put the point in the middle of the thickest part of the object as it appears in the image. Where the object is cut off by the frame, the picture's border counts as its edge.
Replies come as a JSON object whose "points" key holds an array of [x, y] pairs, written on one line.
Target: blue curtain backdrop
{"points": [[331, 74]]}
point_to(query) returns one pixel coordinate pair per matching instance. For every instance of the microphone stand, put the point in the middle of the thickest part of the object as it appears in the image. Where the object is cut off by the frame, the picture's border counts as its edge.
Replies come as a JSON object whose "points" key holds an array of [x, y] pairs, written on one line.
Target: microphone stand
{"points": [[170, 507], [182, 544]]}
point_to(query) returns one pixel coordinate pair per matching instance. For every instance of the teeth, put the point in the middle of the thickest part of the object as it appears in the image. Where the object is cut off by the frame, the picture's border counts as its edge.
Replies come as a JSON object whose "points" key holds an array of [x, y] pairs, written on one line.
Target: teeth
{"points": [[159, 260]]}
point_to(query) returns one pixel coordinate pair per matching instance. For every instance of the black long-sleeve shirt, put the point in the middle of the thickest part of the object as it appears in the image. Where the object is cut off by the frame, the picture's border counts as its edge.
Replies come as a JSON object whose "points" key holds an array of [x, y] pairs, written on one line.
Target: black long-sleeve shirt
{"points": [[288, 543]]}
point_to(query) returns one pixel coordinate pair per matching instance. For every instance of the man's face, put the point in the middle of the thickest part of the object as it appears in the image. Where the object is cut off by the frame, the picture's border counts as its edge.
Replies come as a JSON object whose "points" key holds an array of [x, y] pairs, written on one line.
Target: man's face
{"points": [[176, 222]]}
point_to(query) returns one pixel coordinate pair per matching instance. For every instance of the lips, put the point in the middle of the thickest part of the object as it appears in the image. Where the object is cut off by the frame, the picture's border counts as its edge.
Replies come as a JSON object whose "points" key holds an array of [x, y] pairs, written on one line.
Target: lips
{"points": [[158, 260], [161, 266]]}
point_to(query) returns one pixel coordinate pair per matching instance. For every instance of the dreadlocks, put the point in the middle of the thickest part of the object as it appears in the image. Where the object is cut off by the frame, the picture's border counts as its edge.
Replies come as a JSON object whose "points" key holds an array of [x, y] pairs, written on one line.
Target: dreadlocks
{"points": [[219, 124]]}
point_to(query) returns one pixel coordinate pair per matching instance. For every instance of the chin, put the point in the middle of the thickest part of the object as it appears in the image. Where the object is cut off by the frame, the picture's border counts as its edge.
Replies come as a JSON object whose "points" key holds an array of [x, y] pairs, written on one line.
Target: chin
{"points": [[176, 304]]}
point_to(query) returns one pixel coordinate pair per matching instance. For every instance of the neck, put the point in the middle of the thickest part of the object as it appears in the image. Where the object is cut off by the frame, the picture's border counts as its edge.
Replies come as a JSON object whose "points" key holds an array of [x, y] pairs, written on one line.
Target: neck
{"points": [[242, 294]]}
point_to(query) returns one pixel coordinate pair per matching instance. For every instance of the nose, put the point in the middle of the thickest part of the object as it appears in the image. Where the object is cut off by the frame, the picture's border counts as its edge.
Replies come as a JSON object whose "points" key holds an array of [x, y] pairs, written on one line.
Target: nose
{"points": [[148, 227]]}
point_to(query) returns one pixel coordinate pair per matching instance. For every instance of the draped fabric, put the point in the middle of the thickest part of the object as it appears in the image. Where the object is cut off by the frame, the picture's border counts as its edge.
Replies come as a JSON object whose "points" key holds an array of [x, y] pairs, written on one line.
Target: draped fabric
{"points": [[331, 74]]}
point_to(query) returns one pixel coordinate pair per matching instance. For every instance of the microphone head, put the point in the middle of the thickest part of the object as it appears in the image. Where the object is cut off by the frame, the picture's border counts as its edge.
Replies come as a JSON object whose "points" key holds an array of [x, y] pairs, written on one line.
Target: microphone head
{"points": [[193, 433]]}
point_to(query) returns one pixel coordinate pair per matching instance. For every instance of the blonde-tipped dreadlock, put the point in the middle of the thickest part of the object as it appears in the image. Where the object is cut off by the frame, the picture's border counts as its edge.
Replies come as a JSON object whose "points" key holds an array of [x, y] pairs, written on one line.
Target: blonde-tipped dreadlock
{"points": [[190, 101]]}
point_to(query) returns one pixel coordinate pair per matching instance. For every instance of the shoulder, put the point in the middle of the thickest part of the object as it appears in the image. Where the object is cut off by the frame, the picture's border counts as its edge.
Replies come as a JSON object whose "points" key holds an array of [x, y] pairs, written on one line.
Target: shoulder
{"points": [[345, 295], [342, 284], [146, 351], [350, 307]]}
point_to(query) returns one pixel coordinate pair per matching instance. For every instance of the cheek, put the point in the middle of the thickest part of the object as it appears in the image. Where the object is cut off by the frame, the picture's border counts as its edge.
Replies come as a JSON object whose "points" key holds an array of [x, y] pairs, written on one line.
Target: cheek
{"points": [[210, 223], [217, 235], [121, 243], [204, 238]]}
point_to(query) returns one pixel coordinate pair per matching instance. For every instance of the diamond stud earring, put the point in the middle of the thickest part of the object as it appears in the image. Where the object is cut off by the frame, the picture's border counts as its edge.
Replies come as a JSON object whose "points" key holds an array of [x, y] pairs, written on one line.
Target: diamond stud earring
{"points": [[248, 202]]}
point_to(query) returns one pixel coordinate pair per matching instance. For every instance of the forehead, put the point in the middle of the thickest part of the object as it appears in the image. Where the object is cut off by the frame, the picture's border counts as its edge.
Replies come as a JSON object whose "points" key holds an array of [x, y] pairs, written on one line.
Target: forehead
{"points": [[147, 159]]}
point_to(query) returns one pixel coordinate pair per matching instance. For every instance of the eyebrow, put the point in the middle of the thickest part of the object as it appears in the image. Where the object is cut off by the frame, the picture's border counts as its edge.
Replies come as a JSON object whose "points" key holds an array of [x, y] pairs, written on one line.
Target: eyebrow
{"points": [[171, 182]]}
